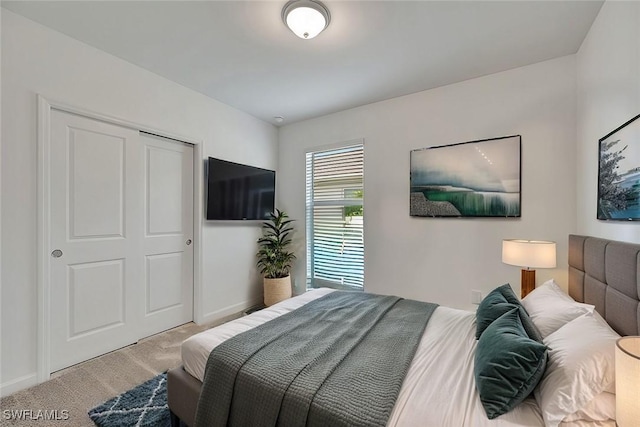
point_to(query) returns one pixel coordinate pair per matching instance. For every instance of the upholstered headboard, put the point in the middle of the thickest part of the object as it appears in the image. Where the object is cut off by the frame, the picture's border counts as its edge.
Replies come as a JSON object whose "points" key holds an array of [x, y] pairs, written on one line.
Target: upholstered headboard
{"points": [[605, 273]]}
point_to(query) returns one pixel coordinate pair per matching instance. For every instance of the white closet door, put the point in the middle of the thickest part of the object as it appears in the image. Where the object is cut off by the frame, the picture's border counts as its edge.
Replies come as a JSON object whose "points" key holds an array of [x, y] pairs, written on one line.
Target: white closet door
{"points": [[94, 239], [120, 237], [168, 234]]}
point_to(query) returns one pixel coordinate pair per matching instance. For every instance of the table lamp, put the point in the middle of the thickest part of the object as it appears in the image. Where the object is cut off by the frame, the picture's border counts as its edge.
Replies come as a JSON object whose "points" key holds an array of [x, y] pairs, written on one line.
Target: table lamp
{"points": [[529, 254], [628, 381]]}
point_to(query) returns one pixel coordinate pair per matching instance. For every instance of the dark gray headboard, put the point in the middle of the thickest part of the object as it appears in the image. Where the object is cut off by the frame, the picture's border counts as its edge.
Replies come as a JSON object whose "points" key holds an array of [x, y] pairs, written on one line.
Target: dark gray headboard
{"points": [[605, 273]]}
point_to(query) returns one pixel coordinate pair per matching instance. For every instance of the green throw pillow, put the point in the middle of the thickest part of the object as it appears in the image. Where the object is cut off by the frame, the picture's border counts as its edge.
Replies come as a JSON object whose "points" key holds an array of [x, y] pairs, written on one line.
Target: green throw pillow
{"points": [[529, 326], [508, 364], [491, 307], [498, 302], [507, 292]]}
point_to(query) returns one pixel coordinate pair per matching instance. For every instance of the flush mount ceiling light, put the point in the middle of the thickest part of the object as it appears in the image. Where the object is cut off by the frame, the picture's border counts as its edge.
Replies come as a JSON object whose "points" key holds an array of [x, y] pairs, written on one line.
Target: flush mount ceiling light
{"points": [[306, 18]]}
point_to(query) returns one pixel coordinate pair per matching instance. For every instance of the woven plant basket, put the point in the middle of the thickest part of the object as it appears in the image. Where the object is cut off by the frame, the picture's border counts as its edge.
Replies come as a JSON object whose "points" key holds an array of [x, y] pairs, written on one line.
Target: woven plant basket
{"points": [[276, 290]]}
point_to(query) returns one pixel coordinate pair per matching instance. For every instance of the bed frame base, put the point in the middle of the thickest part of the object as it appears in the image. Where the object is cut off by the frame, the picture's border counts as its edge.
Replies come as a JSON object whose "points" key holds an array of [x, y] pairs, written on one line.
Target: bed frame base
{"points": [[183, 392], [175, 420]]}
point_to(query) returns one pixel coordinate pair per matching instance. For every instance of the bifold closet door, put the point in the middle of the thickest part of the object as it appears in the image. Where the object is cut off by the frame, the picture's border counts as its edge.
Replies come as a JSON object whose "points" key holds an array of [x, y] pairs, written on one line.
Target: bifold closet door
{"points": [[121, 226]]}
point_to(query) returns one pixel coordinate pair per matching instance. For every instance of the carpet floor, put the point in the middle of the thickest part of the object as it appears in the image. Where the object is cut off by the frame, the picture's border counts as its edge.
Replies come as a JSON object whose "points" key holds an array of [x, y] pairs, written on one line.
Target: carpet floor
{"points": [[77, 389]]}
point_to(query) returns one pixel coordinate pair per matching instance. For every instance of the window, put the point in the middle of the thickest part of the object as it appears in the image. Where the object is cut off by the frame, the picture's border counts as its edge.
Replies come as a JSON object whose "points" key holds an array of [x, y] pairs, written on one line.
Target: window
{"points": [[335, 238]]}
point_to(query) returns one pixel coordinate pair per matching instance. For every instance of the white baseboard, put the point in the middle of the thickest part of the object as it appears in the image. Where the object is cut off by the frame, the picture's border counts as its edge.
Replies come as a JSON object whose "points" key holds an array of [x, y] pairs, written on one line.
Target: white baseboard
{"points": [[18, 384], [228, 311]]}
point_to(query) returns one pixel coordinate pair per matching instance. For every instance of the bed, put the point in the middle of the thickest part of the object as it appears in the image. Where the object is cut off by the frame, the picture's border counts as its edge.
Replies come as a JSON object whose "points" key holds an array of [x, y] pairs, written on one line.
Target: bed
{"points": [[440, 387]]}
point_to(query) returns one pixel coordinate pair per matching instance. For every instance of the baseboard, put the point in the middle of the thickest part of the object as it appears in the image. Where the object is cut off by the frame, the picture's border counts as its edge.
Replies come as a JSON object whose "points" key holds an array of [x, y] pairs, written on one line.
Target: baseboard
{"points": [[235, 309], [18, 384]]}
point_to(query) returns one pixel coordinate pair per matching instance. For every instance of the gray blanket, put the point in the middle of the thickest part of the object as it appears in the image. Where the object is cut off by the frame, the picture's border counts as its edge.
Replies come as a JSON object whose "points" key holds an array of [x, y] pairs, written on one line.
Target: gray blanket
{"points": [[339, 360]]}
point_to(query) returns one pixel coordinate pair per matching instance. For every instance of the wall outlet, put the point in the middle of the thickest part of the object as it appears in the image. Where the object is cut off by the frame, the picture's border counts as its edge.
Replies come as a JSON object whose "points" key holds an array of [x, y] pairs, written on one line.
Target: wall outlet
{"points": [[476, 297]]}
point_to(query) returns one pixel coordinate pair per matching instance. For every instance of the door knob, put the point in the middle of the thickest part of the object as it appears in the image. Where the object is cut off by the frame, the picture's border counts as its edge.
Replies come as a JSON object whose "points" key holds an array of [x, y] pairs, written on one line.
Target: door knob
{"points": [[57, 253], [188, 242]]}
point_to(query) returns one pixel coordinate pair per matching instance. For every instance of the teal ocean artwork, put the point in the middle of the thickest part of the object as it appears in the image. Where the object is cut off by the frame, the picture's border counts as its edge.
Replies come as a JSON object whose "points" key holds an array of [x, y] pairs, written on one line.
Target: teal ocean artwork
{"points": [[472, 179]]}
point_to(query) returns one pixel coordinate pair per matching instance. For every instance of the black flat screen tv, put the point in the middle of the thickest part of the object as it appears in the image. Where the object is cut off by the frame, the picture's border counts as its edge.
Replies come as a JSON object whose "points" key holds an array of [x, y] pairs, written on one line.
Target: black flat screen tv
{"points": [[239, 192]]}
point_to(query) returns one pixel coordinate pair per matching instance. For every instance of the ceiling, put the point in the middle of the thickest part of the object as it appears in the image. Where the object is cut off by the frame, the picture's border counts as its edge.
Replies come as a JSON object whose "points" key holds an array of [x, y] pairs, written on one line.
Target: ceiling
{"points": [[241, 53]]}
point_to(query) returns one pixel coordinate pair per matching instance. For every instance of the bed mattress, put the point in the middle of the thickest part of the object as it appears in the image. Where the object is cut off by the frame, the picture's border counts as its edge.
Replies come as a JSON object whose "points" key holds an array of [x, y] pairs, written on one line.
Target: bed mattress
{"points": [[439, 389]]}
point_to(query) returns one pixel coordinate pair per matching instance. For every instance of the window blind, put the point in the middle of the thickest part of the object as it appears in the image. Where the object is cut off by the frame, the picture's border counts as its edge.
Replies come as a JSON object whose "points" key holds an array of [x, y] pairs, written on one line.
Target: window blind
{"points": [[335, 218]]}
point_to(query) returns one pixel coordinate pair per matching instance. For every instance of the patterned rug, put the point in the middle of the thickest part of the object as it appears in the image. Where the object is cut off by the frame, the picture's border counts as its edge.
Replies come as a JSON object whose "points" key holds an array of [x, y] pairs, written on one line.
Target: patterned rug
{"points": [[142, 406]]}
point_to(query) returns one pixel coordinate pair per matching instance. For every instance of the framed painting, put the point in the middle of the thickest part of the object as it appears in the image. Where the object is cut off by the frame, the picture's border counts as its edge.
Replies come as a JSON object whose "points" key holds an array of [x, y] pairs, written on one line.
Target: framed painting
{"points": [[619, 173], [469, 179]]}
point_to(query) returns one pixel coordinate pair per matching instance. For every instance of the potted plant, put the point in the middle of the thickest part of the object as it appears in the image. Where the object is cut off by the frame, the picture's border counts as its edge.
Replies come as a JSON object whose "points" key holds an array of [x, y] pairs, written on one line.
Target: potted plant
{"points": [[274, 258]]}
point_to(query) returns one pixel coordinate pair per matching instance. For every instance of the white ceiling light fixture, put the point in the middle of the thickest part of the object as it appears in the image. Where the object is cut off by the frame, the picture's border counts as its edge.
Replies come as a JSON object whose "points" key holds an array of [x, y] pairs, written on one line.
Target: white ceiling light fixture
{"points": [[306, 18]]}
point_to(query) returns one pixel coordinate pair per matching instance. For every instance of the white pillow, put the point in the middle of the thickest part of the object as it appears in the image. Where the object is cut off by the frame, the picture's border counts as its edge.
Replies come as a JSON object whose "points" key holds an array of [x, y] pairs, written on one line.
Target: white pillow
{"points": [[550, 307], [581, 365], [601, 408], [612, 386]]}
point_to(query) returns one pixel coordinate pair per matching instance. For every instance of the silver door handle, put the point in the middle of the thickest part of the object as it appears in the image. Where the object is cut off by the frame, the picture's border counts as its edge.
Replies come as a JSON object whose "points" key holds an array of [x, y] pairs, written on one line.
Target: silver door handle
{"points": [[188, 242], [57, 253]]}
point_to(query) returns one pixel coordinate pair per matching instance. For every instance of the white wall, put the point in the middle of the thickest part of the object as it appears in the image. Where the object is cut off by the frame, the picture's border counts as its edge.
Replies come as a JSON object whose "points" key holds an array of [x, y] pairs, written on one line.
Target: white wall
{"points": [[608, 69], [36, 60], [442, 260]]}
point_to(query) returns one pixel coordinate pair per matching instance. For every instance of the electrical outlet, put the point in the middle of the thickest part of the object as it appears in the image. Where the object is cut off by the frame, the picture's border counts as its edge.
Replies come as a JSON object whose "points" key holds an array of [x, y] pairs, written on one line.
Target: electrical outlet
{"points": [[476, 297]]}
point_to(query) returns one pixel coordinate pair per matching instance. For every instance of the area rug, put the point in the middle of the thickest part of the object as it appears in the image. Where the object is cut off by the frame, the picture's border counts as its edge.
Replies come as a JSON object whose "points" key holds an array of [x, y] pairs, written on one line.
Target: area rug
{"points": [[142, 406]]}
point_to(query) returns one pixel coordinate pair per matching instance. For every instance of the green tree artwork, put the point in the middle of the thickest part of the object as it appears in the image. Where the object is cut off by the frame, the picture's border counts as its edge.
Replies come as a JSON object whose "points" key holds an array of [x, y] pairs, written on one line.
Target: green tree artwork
{"points": [[612, 196]]}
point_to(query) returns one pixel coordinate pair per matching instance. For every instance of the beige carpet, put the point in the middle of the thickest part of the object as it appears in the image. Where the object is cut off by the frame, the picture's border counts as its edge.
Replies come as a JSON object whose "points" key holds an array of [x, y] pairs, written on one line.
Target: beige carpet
{"points": [[81, 387]]}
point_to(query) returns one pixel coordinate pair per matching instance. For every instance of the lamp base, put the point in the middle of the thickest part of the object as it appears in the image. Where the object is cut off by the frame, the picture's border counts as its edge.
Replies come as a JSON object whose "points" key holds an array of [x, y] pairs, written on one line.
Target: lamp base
{"points": [[527, 282]]}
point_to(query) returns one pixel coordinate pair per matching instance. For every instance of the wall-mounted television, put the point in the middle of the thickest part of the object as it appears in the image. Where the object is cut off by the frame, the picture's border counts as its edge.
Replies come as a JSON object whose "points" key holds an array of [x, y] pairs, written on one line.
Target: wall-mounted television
{"points": [[239, 192]]}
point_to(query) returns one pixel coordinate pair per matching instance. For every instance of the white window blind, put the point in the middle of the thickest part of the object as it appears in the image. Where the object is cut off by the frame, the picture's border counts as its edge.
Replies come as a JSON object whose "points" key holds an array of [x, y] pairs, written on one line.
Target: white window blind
{"points": [[335, 234]]}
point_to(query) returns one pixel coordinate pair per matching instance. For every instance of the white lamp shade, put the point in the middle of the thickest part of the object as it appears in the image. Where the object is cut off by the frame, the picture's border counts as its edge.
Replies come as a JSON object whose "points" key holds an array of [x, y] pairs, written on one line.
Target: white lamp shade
{"points": [[628, 381], [306, 18], [529, 253]]}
